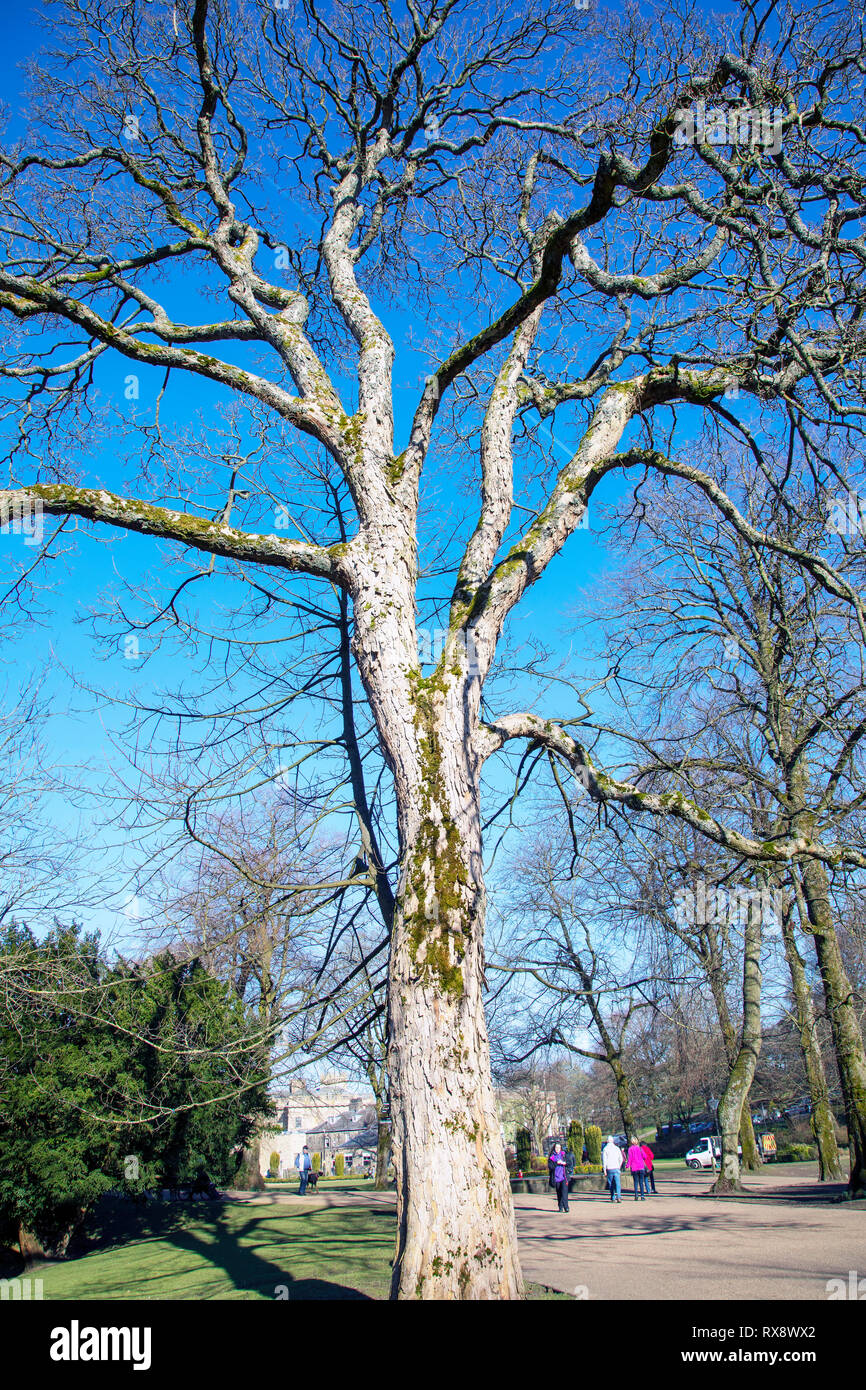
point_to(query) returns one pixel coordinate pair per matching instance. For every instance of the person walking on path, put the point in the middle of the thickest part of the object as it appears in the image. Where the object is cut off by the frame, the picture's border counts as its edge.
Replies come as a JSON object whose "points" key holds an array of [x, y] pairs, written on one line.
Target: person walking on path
{"points": [[611, 1162], [649, 1160], [637, 1168], [303, 1163], [570, 1166], [559, 1176]]}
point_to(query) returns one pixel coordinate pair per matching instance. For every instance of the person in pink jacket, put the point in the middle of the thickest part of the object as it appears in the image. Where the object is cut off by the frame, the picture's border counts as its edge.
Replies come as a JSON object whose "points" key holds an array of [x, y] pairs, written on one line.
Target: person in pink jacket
{"points": [[648, 1166], [637, 1167], [649, 1159]]}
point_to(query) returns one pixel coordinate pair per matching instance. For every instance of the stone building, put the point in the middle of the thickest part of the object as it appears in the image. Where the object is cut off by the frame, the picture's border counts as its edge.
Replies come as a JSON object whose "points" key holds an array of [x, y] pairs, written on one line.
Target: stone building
{"points": [[301, 1109], [353, 1134]]}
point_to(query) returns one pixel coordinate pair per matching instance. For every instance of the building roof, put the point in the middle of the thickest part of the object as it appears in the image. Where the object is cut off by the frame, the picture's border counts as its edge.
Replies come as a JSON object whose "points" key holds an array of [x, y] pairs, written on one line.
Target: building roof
{"points": [[356, 1135]]}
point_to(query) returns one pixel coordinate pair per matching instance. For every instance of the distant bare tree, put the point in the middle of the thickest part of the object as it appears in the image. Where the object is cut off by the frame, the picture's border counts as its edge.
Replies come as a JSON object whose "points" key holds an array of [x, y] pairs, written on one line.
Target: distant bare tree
{"points": [[769, 716]]}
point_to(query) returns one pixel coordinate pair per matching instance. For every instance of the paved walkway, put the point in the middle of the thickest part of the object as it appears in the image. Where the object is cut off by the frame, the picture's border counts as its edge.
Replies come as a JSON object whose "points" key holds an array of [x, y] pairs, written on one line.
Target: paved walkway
{"points": [[782, 1240]]}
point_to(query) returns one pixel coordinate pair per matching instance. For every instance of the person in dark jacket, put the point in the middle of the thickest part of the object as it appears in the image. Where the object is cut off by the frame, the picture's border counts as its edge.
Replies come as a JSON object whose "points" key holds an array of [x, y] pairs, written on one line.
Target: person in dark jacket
{"points": [[570, 1169], [559, 1175]]}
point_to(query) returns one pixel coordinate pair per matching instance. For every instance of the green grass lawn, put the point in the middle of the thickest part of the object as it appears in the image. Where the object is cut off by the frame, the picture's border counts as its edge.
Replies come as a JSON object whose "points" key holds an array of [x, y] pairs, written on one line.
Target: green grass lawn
{"points": [[230, 1251], [233, 1250]]}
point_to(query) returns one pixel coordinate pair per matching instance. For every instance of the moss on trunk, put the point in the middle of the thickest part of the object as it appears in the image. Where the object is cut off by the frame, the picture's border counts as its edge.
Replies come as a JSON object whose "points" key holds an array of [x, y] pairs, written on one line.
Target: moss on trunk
{"points": [[743, 1069], [821, 1118], [847, 1038]]}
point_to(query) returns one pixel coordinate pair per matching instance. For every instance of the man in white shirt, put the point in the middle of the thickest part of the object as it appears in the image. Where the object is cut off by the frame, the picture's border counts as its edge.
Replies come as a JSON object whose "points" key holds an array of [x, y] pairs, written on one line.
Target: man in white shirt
{"points": [[303, 1163], [611, 1162]]}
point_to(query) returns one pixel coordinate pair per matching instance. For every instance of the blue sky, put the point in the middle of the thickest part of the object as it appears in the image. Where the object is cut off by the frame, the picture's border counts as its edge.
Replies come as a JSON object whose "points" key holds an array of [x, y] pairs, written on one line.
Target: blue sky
{"points": [[62, 642]]}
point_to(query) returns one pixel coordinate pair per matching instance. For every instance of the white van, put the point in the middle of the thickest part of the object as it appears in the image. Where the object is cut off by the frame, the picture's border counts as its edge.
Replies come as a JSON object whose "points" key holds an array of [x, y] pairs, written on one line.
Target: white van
{"points": [[706, 1150]]}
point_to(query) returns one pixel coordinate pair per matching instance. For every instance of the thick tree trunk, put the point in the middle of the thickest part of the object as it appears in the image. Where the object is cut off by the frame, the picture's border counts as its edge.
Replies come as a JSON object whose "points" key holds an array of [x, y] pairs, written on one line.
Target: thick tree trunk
{"points": [[456, 1235], [30, 1246], [248, 1177], [847, 1038], [61, 1244], [383, 1154], [743, 1070], [713, 967], [623, 1096], [821, 1119], [456, 1232], [751, 1159]]}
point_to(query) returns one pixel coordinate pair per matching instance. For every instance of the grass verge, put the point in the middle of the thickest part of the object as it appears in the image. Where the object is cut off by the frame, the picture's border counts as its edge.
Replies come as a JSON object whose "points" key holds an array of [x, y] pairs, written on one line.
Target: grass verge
{"points": [[233, 1250], [229, 1251]]}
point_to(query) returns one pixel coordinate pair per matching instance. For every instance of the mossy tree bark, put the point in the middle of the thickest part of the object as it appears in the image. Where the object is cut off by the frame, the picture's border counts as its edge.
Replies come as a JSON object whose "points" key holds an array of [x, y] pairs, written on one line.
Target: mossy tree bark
{"points": [[456, 1231], [383, 1154], [31, 1248], [623, 1097], [457, 1236], [743, 1069], [821, 1118], [751, 1158], [847, 1038], [712, 962]]}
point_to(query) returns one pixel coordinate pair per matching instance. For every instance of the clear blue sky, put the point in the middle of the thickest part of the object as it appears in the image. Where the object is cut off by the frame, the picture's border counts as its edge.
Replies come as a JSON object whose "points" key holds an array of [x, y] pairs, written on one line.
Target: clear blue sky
{"points": [[62, 643]]}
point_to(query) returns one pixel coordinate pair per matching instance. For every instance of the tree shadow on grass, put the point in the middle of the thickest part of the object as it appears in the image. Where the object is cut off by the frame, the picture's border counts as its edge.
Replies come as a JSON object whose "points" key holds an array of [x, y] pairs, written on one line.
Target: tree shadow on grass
{"points": [[116, 1224], [250, 1272]]}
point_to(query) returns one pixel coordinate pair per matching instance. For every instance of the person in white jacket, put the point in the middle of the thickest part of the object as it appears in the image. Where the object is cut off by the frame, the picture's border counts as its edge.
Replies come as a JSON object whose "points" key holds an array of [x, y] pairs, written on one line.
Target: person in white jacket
{"points": [[304, 1164], [611, 1162]]}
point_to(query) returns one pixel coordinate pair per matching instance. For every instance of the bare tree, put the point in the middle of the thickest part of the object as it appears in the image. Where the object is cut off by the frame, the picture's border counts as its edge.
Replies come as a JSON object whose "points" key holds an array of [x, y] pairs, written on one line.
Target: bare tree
{"points": [[771, 710], [570, 951], [255, 913], [424, 143], [43, 866], [682, 892]]}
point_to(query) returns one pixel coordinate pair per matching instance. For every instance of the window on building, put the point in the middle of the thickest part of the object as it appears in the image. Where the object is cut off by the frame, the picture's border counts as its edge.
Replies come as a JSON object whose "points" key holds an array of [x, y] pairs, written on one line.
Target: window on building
{"points": [[298, 1122]]}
